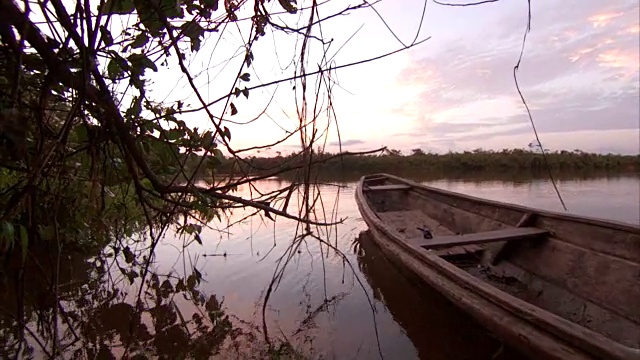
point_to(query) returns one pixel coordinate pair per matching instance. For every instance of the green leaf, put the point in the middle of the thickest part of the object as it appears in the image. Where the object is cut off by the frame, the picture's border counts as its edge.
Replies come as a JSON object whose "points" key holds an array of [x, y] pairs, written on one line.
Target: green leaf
{"points": [[146, 183], [193, 31], [136, 107], [8, 234], [191, 282], [174, 134], [197, 238], [234, 110], [245, 77], [140, 41], [245, 92], [132, 275], [213, 4], [226, 133], [150, 125], [288, 6], [148, 63], [195, 44], [172, 8], [148, 15], [180, 285], [206, 140], [218, 154], [106, 35], [129, 257], [205, 13], [165, 152], [248, 58], [120, 7], [114, 70], [8, 231], [141, 61]]}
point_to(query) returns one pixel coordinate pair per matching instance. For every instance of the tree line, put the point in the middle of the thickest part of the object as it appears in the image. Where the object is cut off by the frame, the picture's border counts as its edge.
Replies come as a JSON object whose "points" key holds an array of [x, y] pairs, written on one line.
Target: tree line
{"points": [[394, 161]]}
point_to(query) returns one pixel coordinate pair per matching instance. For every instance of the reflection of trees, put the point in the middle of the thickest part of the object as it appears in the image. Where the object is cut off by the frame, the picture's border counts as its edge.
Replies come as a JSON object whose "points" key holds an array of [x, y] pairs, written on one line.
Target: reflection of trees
{"points": [[436, 327], [94, 315]]}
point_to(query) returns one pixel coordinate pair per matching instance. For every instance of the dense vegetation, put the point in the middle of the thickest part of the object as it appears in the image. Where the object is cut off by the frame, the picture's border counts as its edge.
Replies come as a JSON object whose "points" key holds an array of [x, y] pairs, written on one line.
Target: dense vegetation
{"points": [[92, 155], [451, 164]]}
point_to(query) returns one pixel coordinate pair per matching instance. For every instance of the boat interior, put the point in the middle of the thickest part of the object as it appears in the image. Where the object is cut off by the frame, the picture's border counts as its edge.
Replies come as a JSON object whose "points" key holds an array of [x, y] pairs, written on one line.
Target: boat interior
{"points": [[582, 270]]}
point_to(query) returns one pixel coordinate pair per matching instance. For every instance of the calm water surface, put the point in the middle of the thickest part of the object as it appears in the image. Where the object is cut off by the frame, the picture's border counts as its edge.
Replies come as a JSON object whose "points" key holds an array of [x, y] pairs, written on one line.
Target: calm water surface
{"points": [[324, 302], [340, 299]]}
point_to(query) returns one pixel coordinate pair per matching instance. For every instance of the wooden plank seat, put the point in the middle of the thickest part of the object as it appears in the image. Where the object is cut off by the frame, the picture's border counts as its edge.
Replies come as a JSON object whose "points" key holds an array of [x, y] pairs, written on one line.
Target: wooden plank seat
{"points": [[509, 234], [387, 187], [406, 222], [502, 250]]}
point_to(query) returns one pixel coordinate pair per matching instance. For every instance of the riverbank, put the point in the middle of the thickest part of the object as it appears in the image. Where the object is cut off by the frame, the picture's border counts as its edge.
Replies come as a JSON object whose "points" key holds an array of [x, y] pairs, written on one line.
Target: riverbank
{"points": [[515, 163]]}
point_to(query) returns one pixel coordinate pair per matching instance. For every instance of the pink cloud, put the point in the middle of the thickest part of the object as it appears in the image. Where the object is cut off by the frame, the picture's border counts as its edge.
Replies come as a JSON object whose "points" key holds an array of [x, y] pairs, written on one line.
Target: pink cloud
{"points": [[625, 60], [602, 20], [633, 30]]}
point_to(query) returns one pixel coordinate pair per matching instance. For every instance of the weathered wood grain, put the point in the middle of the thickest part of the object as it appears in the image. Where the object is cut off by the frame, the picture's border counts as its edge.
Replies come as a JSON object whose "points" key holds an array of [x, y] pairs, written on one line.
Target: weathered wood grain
{"points": [[586, 264], [503, 249], [508, 234], [392, 187], [406, 223]]}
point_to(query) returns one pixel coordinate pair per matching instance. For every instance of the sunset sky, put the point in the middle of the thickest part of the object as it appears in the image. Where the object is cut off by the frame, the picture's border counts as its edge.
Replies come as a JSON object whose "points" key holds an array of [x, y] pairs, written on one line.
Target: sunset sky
{"points": [[579, 75]]}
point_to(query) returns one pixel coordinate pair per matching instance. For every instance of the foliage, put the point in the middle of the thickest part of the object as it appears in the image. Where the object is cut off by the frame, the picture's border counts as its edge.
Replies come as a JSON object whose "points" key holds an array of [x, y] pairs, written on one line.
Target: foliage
{"points": [[451, 164], [87, 152], [42, 199], [79, 116], [91, 156]]}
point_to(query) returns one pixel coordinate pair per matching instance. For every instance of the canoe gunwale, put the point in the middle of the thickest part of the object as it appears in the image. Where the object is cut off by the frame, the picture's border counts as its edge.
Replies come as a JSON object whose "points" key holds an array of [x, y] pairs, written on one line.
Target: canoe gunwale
{"points": [[560, 330], [546, 213], [497, 319]]}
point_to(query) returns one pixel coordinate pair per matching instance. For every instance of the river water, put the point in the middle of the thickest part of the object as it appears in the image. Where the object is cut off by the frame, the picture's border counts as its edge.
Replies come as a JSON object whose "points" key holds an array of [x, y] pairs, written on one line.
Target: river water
{"points": [[335, 298]]}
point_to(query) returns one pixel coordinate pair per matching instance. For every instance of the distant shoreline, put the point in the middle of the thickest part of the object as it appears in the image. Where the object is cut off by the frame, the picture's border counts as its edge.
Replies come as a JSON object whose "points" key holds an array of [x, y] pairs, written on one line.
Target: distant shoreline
{"points": [[515, 165]]}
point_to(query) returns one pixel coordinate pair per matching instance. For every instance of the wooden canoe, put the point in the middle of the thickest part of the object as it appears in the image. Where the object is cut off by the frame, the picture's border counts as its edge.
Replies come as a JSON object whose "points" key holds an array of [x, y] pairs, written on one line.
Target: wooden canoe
{"points": [[553, 285]]}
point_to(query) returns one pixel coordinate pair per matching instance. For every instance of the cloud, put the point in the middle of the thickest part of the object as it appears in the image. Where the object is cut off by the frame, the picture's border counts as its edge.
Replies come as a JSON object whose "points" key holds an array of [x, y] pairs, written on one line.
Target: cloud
{"points": [[579, 73], [601, 20], [347, 142]]}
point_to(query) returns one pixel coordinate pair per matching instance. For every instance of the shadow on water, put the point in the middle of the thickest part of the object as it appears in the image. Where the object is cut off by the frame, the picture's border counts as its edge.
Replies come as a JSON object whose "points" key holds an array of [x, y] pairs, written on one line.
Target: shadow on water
{"points": [[81, 307], [93, 309], [437, 328]]}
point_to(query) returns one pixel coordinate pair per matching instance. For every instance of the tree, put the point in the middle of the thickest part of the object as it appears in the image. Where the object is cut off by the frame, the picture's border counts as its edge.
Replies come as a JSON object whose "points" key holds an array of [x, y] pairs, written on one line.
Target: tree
{"points": [[87, 142], [394, 152]]}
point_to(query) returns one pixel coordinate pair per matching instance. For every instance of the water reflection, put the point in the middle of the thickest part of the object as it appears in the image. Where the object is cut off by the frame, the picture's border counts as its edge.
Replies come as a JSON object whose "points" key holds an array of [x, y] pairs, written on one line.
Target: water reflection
{"points": [[505, 177], [613, 198], [435, 326], [101, 308], [201, 301]]}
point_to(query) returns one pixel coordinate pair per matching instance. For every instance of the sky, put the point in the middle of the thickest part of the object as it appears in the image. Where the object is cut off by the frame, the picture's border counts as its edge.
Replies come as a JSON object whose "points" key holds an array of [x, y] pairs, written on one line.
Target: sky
{"points": [[579, 75]]}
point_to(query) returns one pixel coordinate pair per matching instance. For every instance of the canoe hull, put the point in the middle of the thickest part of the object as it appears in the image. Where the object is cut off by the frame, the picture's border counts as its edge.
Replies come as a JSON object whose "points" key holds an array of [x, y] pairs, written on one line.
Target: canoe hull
{"points": [[533, 330]]}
